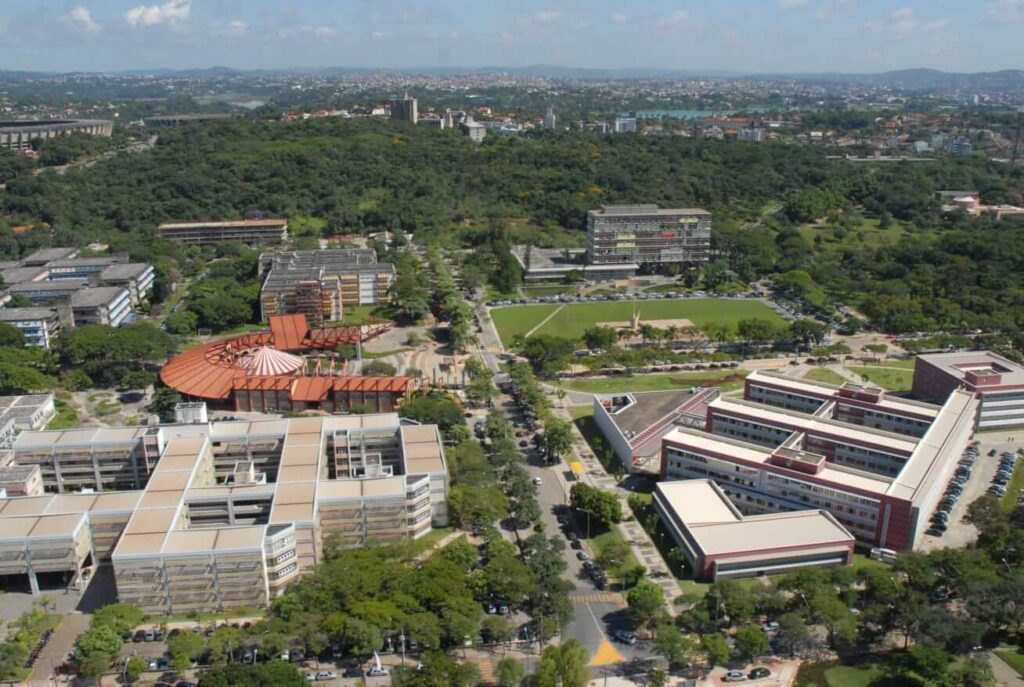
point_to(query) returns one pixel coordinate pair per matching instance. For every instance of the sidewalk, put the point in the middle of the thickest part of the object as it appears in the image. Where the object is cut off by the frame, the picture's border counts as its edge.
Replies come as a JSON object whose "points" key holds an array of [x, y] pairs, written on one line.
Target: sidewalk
{"points": [[636, 536]]}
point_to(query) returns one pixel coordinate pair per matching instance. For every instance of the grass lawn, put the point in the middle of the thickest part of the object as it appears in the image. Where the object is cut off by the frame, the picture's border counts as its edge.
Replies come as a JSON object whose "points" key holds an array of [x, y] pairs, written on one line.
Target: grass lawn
{"points": [[821, 374], [363, 314], [598, 542], [867, 232], [726, 380], [430, 539], [578, 412], [1013, 490], [849, 676], [66, 416], [572, 320], [893, 380], [519, 319], [902, 364], [1012, 658], [549, 290]]}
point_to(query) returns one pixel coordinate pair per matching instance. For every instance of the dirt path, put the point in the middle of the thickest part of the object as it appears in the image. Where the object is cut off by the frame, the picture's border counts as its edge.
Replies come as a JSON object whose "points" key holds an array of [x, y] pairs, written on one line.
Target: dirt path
{"points": [[544, 321]]}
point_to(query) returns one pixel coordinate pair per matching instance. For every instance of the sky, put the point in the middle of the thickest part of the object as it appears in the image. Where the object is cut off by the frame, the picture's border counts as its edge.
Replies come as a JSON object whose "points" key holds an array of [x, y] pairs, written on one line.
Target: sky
{"points": [[752, 36]]}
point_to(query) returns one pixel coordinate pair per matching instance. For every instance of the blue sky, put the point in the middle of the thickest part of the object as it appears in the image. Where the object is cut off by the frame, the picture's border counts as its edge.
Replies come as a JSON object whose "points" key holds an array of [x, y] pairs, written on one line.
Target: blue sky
{"points": [[745, 35]]}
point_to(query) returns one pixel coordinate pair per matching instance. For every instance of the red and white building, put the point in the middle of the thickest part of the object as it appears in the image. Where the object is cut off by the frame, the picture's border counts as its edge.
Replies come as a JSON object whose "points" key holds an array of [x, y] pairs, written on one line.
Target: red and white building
{"points": [[998, 383]]}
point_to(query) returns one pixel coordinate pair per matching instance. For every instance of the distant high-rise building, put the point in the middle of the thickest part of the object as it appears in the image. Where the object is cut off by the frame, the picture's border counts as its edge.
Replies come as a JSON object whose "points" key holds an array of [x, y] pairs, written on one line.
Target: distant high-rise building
{"points": [[475, 130], [600, 127], [448, 119], [549, 118], [752, 134], [405, 109], [960, 146], [625, 125]]}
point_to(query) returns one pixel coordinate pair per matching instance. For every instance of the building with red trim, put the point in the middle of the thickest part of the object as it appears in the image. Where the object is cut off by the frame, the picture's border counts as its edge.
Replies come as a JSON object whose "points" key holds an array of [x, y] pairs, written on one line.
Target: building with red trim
{"points": [[877, 464], [223, 373], [998, 383], [718, 541]]}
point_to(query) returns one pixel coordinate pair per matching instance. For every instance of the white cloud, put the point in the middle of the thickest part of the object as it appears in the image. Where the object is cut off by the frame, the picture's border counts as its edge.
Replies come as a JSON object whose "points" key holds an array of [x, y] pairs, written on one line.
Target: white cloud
{"points": [[170, 12], [235, 27], [791, 4], [380, 35], [619, 18], [834, 9], [324, 33], [1005, 10], [680, 19], [547, 16], [904, 21], [81, 19]]}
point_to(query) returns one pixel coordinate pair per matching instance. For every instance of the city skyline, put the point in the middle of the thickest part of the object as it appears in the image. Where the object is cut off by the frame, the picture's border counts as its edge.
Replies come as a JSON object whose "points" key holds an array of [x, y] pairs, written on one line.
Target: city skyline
{"points": [[742, 36]]}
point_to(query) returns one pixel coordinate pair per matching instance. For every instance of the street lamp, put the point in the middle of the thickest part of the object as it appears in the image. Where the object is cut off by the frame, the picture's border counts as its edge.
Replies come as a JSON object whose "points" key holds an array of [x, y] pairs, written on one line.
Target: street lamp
{"points": [[589, 513]]}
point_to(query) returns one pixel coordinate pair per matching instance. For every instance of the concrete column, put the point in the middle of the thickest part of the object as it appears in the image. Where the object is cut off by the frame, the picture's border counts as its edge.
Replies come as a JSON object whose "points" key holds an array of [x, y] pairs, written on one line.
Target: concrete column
{"points": [[96, 471], [57, 474], [33, 581]]}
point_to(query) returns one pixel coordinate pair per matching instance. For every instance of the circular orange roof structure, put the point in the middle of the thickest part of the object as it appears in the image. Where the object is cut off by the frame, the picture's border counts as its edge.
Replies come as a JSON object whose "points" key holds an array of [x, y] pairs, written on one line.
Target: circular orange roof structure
{"points": [[216, 369]]}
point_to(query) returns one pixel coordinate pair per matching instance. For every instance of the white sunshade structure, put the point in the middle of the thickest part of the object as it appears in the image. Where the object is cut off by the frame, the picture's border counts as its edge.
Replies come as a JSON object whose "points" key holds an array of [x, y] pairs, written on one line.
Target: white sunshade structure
{"points": [[269, 362]]}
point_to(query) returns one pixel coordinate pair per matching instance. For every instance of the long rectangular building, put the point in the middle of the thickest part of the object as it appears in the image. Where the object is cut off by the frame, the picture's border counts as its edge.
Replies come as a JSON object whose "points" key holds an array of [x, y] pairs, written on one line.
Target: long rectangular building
{"points": [[838, 453], [209, 516], [253, 232], [648, 235]]}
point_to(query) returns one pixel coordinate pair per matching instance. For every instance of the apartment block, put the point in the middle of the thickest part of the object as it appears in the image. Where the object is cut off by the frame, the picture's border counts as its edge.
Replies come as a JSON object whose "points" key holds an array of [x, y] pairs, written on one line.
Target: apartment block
{"points": [[39, 326], [792, 445], [106, 305], [319, 283], [997, 381], [31, 411], [137, 277], [648, 235], [228, 514], [253, 232]]}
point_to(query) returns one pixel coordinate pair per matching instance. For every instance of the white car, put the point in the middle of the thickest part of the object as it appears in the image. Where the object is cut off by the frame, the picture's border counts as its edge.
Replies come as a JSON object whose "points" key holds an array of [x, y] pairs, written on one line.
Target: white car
{"points": [[325, 675], [538, 481], [734, 676], [378, 672]]}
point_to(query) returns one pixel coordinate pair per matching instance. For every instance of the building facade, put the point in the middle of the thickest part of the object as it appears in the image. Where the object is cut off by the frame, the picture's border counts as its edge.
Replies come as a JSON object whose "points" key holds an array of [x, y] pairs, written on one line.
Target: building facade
{"points": [[23, 134], [769, 456], [39, 326], [997, 381], [405, 109], [253, 232], [224, 514], [106, 305], [648, 236]]}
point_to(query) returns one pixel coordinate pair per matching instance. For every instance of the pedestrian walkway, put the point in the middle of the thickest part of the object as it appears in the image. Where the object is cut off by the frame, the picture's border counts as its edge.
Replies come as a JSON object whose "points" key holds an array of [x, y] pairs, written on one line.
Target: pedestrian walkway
{"points": [[57, 647], [1004, 674], [600, 597]]}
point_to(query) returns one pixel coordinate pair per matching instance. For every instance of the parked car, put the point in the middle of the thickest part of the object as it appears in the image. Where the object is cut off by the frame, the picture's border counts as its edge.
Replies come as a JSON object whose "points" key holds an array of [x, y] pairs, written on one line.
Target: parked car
{"points": [[759, 673], [734, 676], [382, 671], [625, 636], [770, 626], [325, 675]]}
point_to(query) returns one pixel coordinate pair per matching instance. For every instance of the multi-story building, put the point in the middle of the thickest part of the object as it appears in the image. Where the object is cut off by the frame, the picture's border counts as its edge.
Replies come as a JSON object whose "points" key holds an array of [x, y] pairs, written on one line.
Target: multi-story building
{"points": [[223, 514], [718, 541], [997, 381], [625, 125], [877, 464], [137, 277], [254, 232], [46, 292], [22, 134], [474, 130], [752, 134], [405, 109], [106, 305], [39, 326], [318, 283], [31, 411], [648, 236]]}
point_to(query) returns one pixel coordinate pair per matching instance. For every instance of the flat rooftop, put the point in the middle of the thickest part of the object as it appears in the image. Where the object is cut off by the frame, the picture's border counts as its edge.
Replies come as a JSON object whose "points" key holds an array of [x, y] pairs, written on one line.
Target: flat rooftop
{"points": [[718, 528], [646, 209], [895, 404], [129, 270], [255, 223], [959, 364], [26, 314], [97, 296], [647, 409]]}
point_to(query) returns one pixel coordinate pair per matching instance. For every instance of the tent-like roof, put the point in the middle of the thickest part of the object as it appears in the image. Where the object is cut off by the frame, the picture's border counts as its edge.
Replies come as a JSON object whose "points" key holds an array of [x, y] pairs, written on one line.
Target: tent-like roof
{"points": [[268, 362]]}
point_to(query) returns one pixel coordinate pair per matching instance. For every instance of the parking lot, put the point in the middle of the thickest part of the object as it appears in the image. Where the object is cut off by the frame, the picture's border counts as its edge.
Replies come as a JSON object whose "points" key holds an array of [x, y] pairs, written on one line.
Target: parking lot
{"points": [[984, 468]]}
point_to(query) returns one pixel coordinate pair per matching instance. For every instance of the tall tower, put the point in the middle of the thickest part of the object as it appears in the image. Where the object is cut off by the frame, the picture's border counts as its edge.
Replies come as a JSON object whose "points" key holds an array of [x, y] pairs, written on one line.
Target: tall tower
{"points": [[405, 109], [549, 118]]}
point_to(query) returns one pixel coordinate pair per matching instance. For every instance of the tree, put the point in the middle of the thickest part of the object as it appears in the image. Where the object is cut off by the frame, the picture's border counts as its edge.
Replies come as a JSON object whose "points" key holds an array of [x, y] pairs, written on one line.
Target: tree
{"points": [[671, 643], [564, 666], [121, 617], [548, 354], [930, 662], [99, 639], [510, 672], [135, 667], [273, 674], [645, 600], [604, 509], [557, 439], [16, 379], [11, 335], [92, 666], [378, 368], [164, 400], [751, 642], [716, 649], [792, 631], [809, 332], [600, 338], [184, 648]]}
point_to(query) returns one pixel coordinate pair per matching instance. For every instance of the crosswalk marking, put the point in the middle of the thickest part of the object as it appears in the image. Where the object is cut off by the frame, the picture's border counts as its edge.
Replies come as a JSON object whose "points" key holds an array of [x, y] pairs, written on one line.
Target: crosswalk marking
{"points": [[605, 597]]}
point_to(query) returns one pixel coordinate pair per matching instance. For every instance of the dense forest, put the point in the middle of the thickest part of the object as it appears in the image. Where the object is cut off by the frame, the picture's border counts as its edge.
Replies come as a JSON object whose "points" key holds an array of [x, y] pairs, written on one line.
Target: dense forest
{"points": [[870, 236]]}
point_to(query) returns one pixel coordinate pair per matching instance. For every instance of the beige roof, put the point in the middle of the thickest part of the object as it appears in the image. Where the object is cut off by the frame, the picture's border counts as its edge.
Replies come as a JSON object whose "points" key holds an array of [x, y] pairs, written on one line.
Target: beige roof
{"points": [[797, 529], [294, 454], [117, 501], [297, 473], [164, 480], [697, 501], [956, 364], [26, 505], [295, 492], [338, 490], [160, 499], [181, 541], [138, 544], [388, 486], [291, 512], [151, 521], [12, 529], [815, 388], [57, 525]]}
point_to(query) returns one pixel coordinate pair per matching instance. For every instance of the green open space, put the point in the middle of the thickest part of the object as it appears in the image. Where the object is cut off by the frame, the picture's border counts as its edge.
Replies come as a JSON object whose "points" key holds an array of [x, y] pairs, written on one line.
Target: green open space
{"points": [[902, 364], [548, 290], [599, 541], [575, 318], [579, 412], [1014, 488], [366, 314], [66, 416], [519, 319], [1013, 658], [821, 374], [865, 232], [726, 380], [887, 378]]}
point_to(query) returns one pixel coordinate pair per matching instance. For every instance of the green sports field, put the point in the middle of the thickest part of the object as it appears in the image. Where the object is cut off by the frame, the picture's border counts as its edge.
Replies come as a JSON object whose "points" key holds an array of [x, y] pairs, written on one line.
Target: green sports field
{"points": [[573, 319]]}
